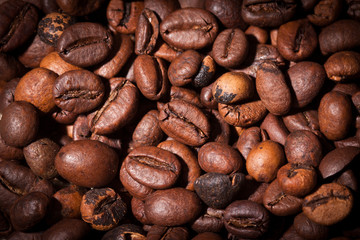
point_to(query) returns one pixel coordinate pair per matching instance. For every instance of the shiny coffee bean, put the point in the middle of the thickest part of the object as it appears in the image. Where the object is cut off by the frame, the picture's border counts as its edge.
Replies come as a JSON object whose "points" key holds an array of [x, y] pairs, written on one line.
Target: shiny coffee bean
{"points": [[147, 32], [342, 66]]}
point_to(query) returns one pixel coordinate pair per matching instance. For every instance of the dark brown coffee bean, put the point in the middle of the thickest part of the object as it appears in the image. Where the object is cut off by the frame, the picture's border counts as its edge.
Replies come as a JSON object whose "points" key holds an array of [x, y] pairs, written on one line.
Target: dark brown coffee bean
{"points": [[182, 206], [8, 152], [329, 204], [18, 23], [79, 7], [272, 88], [248, 139], [279, 203], [219, 158], [125, 231], [147, 32], [296, 179], [218, 190], [275, 128], [339, 36], [36, 87], [102, 208], [258, 34], [210, 221], [123, 16], [291, 234], [40, 157], [206, 72], [337, 160], [206, 97], [353, 9], [162, 7], [94, 159], [67, 228], [264, 160], [246, 219], [309, 229], [10, 67], [118, 110], [221, 132], [5, 225], [29, 210], [335, 115], [151, 76], [325, 12], [348, 88], [303, 147], [7, 94], [190, 169], [19, 124], [344, 65], [348, 178], [7, 199], [269, 13], [157, 232], [189, 28], [64, 117], [297, 40], [307, 79], [186, 94], [232, 87], [243, 115], [78, 91], [184, 122], [153, 167], [184, 68], [230, 48], [52, 26], [138, 210], [306, 120], [85, 44]]}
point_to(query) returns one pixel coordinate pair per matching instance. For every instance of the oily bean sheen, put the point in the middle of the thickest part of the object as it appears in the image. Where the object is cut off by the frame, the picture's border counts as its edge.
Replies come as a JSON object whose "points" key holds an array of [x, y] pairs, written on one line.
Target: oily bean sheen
{"points": [[152, 166], [189, 28], [171, 207], [272, 88], [18, 23], [95, 160], [184, 122], [85, 44], [78, 91]]}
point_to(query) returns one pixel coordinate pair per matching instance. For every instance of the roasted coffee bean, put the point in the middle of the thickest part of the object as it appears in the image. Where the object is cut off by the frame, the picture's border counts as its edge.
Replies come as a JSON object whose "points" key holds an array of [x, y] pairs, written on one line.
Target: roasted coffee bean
{"points": [[125, 231], [205, 75], [138, 210], [64, 117], [19, 124], [306, 79], [233, 87], [325, 12], [69, 200], [79, 7], [243, 115], [184, 122], [329, 204], [8, 152], [309, 229], [297, 40], [7, 94], [219, 158], [190, 169], [339, 36], [337, 160], [183, 206], [206, 97], [303, 147], [189, 28], [164, 51], [257, 33], [118, 110], [230, 48], [348, 178], [36, 87], [55, 63], [29, 210], [279, 203], [147, 32], [5, 225], [186, 94], [264, 160], [335, 115], [162, 7], [342, 66], [18, 23], [40, 157], [78, 91], [272, 88], [353, 9], [123, 16], [67, 228], [52, 26], [153, 167], [167, 233], [248, 139], [268, 13], [218, 190], [94, 159], [246, 219], [210, 221], [7, 199], [221, 132], [10, 67], [275, 128], [85, 44], [296, 179], [151, 76], [306, 120], [184, 67], [102, 208]]}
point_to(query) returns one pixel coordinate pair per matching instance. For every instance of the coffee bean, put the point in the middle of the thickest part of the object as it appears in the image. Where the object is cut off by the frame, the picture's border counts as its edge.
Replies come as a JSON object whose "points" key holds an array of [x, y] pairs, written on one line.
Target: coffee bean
{"points": [[228, 12], [248, 139], [79, 7], [274, 128], [343, 65], [123, 231], [309, 229], [162, 7], [210, 221], [69, 228], [325, 12], [147, 32]]}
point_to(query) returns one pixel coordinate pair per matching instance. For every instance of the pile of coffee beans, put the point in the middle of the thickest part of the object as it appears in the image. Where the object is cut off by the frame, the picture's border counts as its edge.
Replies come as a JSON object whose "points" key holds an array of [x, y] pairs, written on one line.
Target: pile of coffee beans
{"points": [[179, 119]]}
